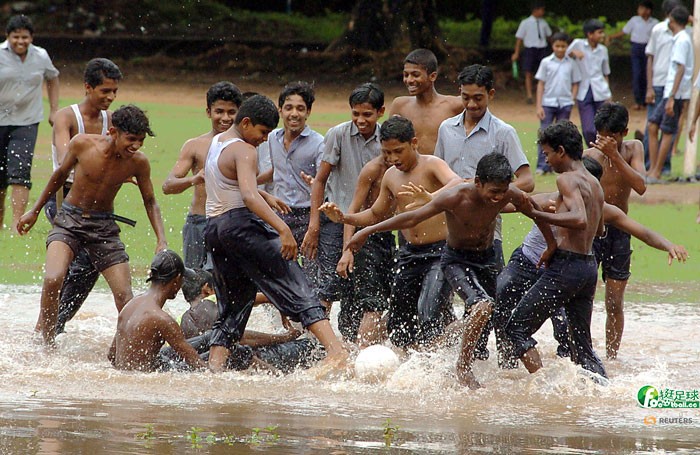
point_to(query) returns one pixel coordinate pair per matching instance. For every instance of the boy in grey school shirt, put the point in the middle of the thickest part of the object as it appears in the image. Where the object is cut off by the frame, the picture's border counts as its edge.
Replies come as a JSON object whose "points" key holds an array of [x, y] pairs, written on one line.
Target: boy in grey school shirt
{"points": [[292, 150], [347, 148]]}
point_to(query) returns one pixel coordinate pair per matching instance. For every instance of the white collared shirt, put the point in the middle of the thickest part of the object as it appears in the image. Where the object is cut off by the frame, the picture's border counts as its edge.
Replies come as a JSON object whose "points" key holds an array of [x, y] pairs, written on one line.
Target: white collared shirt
{"points": [[659, 46], [534, 32], [594, 66], [639, 29], [558, 77], [681, 54]]}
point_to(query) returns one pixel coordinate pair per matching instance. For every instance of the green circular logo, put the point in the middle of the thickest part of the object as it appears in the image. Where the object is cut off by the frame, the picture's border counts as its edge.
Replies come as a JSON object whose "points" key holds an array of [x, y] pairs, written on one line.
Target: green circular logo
{"points": [[648, 396]]}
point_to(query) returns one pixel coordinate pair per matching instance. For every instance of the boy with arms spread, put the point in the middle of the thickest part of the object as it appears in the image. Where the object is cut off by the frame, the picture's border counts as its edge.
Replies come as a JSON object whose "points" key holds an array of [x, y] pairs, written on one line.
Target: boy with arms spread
{"points": [[223, 101], [143, 327], [424, 106], [419, 307], [677, 90], [594, 64], [522, 271], [86, 219], [251, 247], [101, 78], [469, 259], [292, 150], [570, 277], [347, 148], [623, 171]]}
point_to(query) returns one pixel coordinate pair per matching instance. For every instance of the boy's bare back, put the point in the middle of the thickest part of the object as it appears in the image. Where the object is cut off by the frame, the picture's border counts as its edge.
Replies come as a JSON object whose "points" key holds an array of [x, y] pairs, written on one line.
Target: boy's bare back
{"points": [[426, 117], [100, 172]]}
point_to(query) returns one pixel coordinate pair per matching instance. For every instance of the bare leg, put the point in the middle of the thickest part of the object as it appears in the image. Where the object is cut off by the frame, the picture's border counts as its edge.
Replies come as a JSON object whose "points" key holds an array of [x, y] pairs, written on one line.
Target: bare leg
{"points": [[476, 321], [336, 353], [20, 198], [372, 329], [118, 278], [653, 144], [58, 257], [615, 321], [664, 148], [528, 85], [531, 360], [218, 356]]}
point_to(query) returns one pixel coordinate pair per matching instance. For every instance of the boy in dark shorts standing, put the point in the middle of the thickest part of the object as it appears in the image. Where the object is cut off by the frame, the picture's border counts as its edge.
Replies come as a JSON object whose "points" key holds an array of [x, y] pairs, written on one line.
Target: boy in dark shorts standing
{"points": [[419, 306], [347, 148], [570, 277], [532, 34], [86, 220], [223, 101], [469, 259], [251, 246], [623, 171]]}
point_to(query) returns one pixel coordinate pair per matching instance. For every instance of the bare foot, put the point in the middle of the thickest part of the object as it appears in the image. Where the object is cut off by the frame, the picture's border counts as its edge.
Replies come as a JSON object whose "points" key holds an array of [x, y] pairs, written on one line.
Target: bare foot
{"points": [[467, 378], [333, 366]]}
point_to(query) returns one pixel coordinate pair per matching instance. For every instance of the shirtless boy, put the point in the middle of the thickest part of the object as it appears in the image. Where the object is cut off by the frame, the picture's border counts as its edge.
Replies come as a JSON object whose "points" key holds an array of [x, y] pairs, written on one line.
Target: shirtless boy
{"points": [[469, 259], [623, 171], [419, 307], [250, 245], [424, 106], [101, 78], [570, 277], [223, 101], [102, 165], [143, 327]]}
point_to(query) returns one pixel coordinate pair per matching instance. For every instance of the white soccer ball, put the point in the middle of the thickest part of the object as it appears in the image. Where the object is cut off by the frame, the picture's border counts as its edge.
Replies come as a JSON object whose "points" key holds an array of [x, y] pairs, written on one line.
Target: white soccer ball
{"points": [[376, 363]]}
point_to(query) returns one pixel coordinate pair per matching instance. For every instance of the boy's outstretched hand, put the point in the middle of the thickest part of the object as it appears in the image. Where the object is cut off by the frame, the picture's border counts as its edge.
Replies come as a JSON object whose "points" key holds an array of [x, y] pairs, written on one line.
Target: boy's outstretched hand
{"points": [[677, 252], [418, 193], [357, 240], [332, 211], [26, 222]]}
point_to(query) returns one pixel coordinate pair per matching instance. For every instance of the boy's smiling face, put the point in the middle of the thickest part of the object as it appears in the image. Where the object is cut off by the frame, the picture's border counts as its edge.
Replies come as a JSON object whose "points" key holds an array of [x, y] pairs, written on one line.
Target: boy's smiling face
{"points": [[416, 79], [475, 100], [365, 117]]}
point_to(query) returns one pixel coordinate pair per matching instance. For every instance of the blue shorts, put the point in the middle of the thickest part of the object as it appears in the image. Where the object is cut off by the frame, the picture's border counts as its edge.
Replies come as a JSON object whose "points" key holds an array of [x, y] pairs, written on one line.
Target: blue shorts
{"points": [[16, 154], [667, 124], [532, 56]]}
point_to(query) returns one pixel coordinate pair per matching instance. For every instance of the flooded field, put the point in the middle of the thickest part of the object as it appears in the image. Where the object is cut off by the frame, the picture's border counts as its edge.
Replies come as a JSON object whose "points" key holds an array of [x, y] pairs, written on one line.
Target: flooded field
{"points": [[72, 401]]}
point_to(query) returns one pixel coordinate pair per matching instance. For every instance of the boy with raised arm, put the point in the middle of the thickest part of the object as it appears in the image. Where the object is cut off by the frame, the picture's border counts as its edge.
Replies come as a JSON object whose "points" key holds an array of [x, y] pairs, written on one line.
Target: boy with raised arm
{"points": [[101, 78], [346, 149], [469, 259], [570, 277], [86, 219], [623, 171], [250, 245], [223, 101], [424, 107], [419, 307], [143, 327]]}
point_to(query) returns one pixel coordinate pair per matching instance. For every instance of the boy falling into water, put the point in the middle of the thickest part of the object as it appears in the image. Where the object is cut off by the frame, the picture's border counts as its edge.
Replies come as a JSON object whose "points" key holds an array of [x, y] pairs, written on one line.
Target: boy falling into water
{"points": [[469, 259]]}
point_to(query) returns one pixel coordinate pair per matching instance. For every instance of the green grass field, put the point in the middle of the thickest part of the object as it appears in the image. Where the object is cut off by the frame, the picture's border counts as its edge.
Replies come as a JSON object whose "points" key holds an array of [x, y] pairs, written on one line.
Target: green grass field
{"points": [[23, 259]]}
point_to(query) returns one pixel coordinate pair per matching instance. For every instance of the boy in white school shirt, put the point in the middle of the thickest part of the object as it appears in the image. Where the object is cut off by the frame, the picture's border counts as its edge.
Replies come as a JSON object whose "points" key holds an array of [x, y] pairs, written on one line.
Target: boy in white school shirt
{"points": [[532, 33], [557, 85]]}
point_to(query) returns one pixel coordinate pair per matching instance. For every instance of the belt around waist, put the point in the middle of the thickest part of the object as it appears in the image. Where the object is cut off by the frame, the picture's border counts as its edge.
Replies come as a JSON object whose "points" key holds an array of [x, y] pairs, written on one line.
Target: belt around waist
{"points": [[565, 254], [88, 215]]}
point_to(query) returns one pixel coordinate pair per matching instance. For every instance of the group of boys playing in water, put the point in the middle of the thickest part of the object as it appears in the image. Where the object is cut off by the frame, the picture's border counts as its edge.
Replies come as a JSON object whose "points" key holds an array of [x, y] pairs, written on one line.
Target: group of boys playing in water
{"points": [[440, 170]]}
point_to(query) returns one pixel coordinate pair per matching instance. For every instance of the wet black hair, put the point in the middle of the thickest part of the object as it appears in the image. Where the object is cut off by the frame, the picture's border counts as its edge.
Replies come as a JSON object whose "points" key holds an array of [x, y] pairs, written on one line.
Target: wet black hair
{"points": [[19, 22], [562, 133], [423, 57], [668, 5], [611, 117], [680, 15], [559, 36], [397, 127], [99, 69], [591, 25], [301, 88], [191, 288], [131, 119], [260, 110], [224, 91], [494, 168], [593, 166], [477, 74], [367, 93]]}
